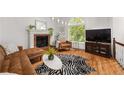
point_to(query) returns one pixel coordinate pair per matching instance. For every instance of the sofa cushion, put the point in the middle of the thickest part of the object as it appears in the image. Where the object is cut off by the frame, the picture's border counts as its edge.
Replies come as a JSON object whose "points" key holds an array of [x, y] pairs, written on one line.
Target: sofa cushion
{"points": [[20, 64], [65, 45], [15, 63], [1, 60], [5, 65], [2, 56], [33, 51], [27, 67], [62, 41], [34, 54]]}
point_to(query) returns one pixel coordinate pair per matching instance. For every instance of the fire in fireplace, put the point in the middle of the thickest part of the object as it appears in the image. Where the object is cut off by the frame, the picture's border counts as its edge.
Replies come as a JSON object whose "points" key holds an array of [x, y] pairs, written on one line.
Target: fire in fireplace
{"points": [[41, 40]]}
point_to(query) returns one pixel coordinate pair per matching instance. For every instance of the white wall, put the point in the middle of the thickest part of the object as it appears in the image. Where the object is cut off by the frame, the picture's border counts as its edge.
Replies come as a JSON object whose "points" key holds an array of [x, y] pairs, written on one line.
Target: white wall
{"points": [[118, 28], [97, 22], [118, 33], [13, 30], [0, 34]]}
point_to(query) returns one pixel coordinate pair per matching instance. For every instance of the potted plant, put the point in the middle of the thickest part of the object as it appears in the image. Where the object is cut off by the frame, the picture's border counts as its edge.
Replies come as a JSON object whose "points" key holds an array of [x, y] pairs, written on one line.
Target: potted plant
{"points": [[50, 52], [50, 31], [30, 27]]}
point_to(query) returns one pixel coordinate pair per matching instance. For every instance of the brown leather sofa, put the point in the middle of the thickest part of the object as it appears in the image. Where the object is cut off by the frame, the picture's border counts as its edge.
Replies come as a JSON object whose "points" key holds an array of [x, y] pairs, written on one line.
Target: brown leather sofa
{"points": [[17, 62], [34, 54]]}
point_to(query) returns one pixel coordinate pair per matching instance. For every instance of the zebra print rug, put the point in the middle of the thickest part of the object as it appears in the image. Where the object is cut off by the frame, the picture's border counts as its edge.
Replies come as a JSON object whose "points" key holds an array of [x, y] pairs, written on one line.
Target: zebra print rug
{"points": [[72, 65]]}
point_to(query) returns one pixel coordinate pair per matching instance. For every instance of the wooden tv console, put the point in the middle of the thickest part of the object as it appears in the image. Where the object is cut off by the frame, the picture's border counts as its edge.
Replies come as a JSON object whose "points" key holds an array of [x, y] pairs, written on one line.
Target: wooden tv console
{"points": [[102, 49]]}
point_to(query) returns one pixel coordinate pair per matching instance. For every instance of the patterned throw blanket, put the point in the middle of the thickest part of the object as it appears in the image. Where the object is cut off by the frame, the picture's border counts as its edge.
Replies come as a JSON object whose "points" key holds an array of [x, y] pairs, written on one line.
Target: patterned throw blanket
{"points": [[72, 65]]}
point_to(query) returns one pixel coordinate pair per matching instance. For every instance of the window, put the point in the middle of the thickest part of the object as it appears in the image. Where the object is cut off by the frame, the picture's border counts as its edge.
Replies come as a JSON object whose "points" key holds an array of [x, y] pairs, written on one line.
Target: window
{"points": [[76, 30]]}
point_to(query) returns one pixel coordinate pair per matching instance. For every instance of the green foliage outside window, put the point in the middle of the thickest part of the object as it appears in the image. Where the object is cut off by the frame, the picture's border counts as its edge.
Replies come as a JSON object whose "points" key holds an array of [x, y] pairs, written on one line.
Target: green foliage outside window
{"points": [[77, 30]]}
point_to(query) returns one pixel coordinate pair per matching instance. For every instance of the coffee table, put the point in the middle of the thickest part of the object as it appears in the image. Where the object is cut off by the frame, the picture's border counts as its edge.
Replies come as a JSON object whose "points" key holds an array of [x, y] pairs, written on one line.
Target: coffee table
{"points": [[54, 64]]}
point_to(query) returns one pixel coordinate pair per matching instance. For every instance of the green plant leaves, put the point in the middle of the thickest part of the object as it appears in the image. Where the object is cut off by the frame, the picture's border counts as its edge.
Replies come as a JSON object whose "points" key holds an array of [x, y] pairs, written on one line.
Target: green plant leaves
{"points": [[50, 31], [77, 33], [50, 51]]}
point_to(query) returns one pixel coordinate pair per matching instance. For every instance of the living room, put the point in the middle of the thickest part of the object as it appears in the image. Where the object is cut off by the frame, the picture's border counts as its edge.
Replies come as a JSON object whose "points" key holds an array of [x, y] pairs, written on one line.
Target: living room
{"points": [[68, 36], [61, 46]]}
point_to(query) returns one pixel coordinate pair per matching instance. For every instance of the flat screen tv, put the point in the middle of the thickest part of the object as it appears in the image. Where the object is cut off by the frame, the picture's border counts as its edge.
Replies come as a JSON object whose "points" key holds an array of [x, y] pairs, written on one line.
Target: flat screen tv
{"points": [[99, 35]]}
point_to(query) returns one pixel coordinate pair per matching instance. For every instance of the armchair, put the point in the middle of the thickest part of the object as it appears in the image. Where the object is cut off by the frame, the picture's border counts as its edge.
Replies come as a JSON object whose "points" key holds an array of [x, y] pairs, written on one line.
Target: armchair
{"points": [[65, 45]]}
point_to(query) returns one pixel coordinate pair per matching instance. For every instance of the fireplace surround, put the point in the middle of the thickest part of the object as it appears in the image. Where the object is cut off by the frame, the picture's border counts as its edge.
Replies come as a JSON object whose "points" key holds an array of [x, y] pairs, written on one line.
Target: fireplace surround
{"points": [[34, 36], [41, 40]]}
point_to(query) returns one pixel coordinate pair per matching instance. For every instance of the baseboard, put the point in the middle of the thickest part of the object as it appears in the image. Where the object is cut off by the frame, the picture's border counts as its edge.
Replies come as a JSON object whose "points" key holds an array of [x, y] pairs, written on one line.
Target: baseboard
{"points": [[79, 49]]}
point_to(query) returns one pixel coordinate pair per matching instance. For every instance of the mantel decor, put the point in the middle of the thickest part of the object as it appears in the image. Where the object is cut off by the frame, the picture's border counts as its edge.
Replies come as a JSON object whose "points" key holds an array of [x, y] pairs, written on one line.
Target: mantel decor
{"points": [[50, 31], [40, 25], [31, 27]]}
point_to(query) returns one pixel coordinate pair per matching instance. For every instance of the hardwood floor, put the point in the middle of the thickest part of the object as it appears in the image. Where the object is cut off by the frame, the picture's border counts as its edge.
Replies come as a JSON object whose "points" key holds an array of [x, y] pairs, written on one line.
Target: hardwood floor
{"points": [[102, 65]]}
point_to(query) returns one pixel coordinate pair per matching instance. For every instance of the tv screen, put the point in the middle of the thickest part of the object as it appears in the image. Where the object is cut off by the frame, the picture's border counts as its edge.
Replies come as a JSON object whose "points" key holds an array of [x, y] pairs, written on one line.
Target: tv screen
{"points": [[99, 35]]}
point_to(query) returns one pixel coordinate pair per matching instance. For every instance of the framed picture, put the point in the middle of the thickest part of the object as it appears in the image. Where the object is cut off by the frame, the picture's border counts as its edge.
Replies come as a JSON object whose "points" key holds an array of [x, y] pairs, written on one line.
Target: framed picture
{"points": [[40, 25]]}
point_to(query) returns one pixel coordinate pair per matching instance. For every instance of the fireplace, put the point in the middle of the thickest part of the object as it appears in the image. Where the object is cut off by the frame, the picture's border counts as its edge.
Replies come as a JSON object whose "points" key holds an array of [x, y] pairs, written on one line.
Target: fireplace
{"points": [[41, 40]]}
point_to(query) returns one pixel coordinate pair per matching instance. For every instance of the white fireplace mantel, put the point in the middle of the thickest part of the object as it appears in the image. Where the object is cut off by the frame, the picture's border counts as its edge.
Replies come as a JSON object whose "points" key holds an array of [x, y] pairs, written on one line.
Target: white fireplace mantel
{"points": [[31, 37]]}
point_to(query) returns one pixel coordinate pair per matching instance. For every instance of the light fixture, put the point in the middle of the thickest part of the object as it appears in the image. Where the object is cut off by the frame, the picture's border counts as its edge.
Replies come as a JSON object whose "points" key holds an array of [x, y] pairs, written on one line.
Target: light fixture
{"points": [[65, 23], [53, 18], [58, 20], [62, 22]]}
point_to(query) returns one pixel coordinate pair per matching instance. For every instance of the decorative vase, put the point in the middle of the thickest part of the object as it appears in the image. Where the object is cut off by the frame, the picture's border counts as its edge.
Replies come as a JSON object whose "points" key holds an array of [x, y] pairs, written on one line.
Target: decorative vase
{"points": [[51, 57]]}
